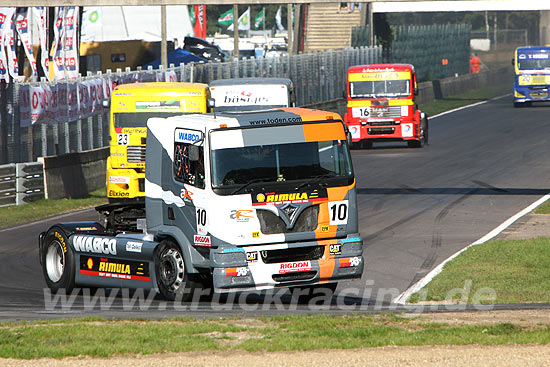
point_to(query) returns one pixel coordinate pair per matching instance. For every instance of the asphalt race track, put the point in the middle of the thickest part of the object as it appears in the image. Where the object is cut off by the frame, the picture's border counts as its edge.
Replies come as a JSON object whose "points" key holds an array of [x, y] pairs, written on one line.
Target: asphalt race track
{"points": [[416, 208]]}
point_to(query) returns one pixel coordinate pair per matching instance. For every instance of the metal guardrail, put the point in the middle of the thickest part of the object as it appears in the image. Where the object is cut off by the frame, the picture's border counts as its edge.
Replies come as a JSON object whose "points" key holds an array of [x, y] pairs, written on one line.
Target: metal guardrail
{"points": [[21, 183], [8, 186]]}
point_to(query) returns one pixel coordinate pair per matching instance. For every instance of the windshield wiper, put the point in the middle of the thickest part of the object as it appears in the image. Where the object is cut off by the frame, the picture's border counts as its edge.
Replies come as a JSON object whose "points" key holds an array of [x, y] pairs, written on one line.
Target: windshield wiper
{"points": [[256, 180], [315, 179]]}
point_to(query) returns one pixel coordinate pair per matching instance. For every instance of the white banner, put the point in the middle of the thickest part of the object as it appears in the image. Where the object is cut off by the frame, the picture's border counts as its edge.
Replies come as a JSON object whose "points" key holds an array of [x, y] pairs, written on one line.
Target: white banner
{"points": [[33, 104], [23, 29], [170, 76], [64, 47], [6, 16], [71, 37], [40, 17]]}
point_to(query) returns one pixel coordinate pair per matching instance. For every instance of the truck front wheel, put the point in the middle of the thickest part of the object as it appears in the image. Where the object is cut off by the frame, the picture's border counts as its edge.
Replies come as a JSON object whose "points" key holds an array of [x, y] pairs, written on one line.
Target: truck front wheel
{"points": [[58, 264], [173, 281]]}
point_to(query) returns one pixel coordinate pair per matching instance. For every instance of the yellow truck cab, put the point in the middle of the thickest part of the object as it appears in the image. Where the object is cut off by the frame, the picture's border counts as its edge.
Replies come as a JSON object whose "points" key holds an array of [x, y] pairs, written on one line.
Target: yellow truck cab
{"points": [[131, 106]]}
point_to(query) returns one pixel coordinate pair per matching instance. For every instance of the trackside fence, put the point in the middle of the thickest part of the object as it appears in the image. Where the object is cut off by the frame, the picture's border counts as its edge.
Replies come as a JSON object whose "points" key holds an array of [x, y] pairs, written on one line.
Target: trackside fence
{"points": [[54, 118]]}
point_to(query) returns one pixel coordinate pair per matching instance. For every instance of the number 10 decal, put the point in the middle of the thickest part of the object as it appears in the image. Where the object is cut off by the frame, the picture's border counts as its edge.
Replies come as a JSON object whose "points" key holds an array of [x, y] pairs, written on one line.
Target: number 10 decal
{"points": [[338, 212], [201, 221]]}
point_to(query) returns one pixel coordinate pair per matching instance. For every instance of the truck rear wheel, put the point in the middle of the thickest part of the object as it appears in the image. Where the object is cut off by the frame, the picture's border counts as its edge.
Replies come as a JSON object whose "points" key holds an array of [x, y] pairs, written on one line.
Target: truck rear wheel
{"points": [[58, 263], [173, 281]]}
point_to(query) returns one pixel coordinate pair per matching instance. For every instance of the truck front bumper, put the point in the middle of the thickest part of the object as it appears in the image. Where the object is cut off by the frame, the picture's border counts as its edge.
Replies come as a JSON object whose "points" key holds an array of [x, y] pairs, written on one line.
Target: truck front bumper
{"points": [[286, 265]]}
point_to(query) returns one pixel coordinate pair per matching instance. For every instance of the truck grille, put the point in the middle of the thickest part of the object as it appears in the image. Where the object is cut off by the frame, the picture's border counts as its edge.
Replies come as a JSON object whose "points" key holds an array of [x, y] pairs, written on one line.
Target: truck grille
{"points": [[292, 254], [387, 111], [136, 154], [381, 131], [270, 223], [302, 275]]}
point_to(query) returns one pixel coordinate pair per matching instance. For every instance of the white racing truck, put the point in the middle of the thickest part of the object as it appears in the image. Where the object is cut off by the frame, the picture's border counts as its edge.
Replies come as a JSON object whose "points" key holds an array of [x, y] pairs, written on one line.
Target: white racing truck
{"points": [[249, 94], [237, 201]]}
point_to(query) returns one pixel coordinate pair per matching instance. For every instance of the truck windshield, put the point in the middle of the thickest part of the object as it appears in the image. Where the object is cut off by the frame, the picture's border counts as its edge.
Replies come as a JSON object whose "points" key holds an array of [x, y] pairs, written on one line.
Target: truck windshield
{"points": [[139, 119], [534, 60], [300, 162], [380, 88]]}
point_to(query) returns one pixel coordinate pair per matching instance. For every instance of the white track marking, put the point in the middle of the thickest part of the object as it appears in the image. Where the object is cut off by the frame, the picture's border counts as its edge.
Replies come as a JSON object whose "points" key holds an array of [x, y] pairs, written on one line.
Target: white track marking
{"points": [[468, 106], [403, 297]]}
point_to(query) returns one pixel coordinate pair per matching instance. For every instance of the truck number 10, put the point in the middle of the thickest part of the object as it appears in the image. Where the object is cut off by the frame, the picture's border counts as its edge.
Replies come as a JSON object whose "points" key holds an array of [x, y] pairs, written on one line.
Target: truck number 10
{"points": [[338, 211]]}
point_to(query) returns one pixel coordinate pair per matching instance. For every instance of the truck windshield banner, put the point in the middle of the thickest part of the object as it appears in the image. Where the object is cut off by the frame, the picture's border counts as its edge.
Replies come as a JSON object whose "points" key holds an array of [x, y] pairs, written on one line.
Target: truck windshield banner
{"points": [[246, 95], [371, 76]]}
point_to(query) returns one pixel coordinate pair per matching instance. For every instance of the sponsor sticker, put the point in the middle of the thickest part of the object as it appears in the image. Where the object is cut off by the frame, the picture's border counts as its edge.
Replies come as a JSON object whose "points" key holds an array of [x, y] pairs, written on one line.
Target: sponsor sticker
{"points": [[86, 229], [114, 268], [242, 215], [119, 179], [255, 234], [336, 249], [407, 130], [236, 272], [132, 246], [275, 198], [187, 136], [325, 228], [252, 256], [61, 240], [294, 267], [98, 245], [202, 241]]}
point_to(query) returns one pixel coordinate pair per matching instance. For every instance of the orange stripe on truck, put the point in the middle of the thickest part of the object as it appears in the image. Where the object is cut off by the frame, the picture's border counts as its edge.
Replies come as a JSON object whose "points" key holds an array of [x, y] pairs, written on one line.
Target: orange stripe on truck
{"points": [[324, 131]]}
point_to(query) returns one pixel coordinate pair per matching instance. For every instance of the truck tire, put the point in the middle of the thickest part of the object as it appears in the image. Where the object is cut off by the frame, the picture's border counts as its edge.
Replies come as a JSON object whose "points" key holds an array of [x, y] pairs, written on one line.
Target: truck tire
{"points": [[423, 138], [173, 281], [58, 261]]}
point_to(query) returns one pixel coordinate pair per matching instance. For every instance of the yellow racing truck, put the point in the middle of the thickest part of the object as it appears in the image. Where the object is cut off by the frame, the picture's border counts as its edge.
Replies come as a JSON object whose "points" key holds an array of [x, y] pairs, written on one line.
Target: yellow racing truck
{"points": [[131, 106]]}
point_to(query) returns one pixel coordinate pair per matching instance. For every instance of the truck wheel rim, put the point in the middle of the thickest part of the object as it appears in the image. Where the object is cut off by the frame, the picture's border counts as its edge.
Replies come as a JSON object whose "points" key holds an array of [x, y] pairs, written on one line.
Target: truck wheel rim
{"points": [[172, 269], [55, 261]]}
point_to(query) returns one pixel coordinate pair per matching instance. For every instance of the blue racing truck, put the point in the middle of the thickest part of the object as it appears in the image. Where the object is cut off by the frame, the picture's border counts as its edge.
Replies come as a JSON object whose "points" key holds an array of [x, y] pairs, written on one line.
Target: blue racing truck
{"points": [[532, 75]]}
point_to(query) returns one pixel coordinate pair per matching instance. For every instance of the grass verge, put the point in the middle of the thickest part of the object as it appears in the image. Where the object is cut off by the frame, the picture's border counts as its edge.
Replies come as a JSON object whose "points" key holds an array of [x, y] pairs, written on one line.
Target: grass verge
{"points": [[470, 97], [543, 208], [14, 215], [94, 337], [501, 271]]}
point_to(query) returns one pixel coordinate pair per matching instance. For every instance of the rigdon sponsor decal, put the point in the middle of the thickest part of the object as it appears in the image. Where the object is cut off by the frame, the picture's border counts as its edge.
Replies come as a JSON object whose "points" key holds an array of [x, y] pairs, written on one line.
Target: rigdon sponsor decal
{"points": [[294, 267], [114, 268], [275, 198]]}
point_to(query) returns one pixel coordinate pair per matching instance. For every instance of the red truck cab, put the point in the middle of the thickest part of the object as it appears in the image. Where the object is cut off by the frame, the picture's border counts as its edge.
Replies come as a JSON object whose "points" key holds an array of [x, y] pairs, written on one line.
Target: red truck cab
{"points": [[381, 105]]}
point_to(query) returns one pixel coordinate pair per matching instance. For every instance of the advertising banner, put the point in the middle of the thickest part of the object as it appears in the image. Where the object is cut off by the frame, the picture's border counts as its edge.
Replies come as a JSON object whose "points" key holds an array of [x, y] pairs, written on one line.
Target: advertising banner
{"points": [[40, 18], [6, 15], [23, 30]]}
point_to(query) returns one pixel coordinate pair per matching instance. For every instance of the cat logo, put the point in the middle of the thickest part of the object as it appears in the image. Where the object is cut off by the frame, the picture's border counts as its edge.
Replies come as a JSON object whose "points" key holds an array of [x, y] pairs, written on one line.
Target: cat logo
{"points": [[324, 228], [252, 256], [255, 234]]}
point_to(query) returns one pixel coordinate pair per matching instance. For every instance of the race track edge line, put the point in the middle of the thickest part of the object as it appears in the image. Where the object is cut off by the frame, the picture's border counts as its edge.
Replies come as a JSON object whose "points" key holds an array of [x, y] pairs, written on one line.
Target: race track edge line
{"points": [[403, 297], [468, 106]]}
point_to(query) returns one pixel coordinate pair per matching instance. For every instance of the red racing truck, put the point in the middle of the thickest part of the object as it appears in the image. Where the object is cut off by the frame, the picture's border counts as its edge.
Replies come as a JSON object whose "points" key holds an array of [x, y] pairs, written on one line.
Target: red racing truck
{"points": [[381, 105]]}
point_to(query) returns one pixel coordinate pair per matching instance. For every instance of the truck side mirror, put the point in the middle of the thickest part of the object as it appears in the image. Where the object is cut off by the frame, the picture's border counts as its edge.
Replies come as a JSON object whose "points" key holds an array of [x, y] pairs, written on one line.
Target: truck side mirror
{"points": [[348, 138], [513, 62], [193, 153], [415, 91], [210, 103]]}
